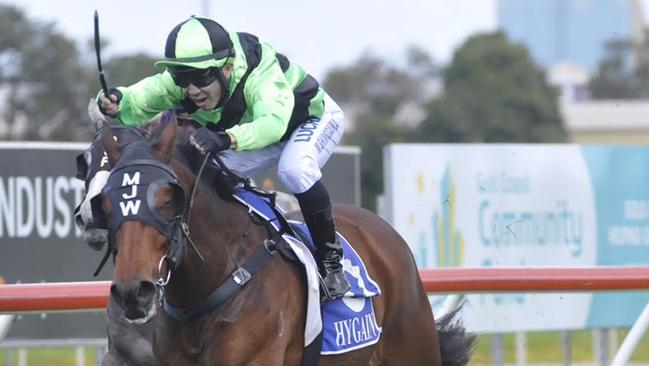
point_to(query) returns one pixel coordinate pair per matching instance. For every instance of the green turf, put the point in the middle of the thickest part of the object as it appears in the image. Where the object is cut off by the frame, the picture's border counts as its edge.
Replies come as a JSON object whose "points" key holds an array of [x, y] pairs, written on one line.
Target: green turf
{"points": [[547, 347], [541, 347], [51, 357]]}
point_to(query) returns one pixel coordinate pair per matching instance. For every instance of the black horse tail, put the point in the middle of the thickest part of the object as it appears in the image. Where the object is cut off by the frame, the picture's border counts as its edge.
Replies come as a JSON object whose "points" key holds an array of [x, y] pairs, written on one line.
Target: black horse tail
{"points": [[455, 343]]}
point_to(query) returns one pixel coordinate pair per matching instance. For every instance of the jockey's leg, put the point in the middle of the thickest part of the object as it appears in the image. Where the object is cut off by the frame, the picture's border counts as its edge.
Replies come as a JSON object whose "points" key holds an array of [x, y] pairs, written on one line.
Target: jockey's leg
{"points": [[299, 161], [316, 209], [304, 154]]}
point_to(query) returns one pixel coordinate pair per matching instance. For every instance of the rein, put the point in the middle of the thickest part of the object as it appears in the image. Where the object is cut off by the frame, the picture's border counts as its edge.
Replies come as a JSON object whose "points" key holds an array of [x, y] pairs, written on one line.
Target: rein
{"points": [[161, 281], [195, 187], [245, 182]]}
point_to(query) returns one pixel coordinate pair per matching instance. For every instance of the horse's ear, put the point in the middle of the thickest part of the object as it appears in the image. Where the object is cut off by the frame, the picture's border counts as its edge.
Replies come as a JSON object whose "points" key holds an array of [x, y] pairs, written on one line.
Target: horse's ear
{"points": [[112, 148], [167, 138], [96, 117]]}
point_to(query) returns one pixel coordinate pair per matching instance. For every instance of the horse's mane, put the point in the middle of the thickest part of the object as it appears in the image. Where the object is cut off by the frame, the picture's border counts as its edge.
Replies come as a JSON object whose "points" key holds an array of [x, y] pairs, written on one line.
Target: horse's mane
{"points": [[187, 156], [191, 159]]}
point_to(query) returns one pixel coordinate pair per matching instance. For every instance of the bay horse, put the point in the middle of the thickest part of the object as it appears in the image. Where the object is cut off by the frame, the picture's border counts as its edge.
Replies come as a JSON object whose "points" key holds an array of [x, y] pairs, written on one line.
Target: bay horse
{"points": [[184, 235], [128, 343]]}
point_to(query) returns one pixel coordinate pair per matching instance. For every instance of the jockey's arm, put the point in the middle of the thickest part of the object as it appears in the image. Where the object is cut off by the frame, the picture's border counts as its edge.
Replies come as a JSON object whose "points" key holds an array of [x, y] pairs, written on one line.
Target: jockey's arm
{"points": [[145, 99]]}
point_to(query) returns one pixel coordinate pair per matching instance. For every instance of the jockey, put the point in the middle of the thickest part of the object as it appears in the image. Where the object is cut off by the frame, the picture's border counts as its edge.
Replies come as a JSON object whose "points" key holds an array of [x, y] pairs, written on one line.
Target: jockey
{"points": [[257, 109]]}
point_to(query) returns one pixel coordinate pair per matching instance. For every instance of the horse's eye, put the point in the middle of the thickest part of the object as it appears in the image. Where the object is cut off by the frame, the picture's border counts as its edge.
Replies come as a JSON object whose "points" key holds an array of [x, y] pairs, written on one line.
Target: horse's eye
{"points": [[169, 204], [106, 204], [165, 201], [167, 211]]}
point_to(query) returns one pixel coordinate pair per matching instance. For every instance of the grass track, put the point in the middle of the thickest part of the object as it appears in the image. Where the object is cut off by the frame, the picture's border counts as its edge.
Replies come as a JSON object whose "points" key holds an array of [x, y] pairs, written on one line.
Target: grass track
{"points": [[51, 357], [542, 347]]}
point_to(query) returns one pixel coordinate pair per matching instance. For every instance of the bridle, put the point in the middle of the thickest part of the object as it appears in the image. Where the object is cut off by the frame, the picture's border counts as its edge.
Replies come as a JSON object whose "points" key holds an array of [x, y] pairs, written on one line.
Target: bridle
{"points": [[137, 181], [154, 173], [172, 262]]}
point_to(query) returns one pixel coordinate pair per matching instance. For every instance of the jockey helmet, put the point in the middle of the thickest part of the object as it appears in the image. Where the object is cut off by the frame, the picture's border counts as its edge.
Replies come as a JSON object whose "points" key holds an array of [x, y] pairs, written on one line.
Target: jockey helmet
{"points": [[198, 43]]}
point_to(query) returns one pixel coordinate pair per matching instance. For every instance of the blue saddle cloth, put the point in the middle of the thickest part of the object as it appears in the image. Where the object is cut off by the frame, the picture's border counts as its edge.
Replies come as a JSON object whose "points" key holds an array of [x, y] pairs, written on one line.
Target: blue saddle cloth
{"points": [[349, 323]]}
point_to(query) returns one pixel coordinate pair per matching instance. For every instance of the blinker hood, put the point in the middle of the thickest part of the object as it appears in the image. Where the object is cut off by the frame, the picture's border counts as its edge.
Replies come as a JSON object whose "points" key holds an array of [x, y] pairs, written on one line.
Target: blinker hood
{"points": [[132, 190]]}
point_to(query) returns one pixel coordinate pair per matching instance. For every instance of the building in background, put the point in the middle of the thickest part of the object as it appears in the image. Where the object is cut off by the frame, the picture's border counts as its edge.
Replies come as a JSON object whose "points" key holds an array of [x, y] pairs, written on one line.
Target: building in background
{"points": [[615, 122], [571, 80], [567, 38], [573, 31]]}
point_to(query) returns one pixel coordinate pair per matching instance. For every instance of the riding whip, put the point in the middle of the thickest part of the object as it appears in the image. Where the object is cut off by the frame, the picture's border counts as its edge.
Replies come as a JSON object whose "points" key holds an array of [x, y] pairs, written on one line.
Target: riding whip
{"points": [[102, 78]]}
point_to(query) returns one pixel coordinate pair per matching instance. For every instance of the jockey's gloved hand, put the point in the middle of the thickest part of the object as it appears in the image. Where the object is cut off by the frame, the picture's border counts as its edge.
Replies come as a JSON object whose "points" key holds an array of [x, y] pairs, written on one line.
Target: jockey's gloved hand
{"points": [[109, 105], [208, 141]]}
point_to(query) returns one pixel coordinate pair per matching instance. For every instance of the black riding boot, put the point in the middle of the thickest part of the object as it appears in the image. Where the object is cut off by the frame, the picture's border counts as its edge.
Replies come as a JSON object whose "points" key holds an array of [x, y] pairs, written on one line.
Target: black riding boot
{"points": [[316, 208]]}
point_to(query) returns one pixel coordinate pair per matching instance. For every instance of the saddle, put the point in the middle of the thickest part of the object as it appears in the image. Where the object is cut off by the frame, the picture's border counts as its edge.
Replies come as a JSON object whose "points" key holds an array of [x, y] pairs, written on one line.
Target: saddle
{"points": [[347, 323]]}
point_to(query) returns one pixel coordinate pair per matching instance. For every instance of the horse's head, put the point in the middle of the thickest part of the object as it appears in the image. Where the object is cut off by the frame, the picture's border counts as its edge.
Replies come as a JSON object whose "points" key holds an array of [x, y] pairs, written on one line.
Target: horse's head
{"points": [[143, 202], [93, 169]]}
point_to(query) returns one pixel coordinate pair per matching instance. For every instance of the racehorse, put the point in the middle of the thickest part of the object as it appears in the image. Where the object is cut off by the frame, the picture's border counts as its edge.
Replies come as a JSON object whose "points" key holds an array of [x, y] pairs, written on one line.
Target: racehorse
{"points": [[128, 344], [93, 169], [171, 228]]}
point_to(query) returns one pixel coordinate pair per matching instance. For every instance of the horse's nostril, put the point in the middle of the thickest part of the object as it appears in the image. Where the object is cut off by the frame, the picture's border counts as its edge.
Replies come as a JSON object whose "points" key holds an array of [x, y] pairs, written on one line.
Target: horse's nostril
{"points": [[145, 292], [96, 238], [135, 298], [115, 293]]}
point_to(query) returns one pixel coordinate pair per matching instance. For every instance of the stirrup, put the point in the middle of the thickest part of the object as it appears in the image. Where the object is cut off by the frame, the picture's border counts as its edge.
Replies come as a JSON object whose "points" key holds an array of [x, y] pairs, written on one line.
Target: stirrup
{"points": [[326, 295]]}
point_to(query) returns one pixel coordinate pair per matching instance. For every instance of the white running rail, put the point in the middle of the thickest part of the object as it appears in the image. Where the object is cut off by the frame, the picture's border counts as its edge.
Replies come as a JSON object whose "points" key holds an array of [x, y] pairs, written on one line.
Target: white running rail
{"points": [[632, 339]]}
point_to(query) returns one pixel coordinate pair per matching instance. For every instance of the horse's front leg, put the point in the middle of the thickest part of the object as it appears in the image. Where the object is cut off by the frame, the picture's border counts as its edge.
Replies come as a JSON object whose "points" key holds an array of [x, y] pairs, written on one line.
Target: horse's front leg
{"points": [[128, 343]]}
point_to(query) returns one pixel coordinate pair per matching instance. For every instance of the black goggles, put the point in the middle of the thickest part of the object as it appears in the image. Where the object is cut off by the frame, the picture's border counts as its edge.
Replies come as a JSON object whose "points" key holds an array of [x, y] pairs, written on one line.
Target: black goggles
{"points": [[198, 77]]}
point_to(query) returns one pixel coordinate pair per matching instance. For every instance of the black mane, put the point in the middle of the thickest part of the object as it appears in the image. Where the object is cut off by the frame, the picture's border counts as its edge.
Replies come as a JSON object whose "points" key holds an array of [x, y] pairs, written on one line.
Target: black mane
{"points": [[212, 175]]}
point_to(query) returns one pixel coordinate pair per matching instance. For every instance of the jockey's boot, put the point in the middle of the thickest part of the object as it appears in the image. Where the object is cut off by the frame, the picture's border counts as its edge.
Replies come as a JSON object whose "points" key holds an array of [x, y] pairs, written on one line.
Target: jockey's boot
{"points": [[329, 252]]}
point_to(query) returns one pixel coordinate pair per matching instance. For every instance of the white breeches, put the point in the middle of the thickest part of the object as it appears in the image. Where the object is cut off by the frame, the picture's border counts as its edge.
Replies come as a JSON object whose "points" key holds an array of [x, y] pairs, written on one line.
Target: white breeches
{"points": [[298, 159]]}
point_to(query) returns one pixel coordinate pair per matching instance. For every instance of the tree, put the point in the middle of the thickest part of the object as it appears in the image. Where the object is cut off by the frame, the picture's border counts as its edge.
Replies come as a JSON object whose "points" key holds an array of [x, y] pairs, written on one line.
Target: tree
{"points": [[493, 92], [45, 82], [623, 72], [128, 69], [374, 96], [42, 78]]}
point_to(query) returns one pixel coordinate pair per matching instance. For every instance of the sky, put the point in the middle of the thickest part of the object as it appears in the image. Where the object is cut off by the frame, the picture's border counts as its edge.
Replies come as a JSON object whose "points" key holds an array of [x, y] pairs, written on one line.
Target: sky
{"points": [[317, 34]]}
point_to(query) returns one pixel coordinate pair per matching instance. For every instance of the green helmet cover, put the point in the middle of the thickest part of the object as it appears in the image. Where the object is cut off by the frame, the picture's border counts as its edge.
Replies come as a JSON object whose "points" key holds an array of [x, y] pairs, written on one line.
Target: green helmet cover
{"points": [[198, 43]]}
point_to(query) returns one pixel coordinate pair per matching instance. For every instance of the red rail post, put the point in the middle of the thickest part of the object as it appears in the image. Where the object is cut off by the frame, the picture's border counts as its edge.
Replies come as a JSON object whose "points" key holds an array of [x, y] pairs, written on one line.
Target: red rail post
{"points": [[446, 280], [54, 296], [43, 297]]}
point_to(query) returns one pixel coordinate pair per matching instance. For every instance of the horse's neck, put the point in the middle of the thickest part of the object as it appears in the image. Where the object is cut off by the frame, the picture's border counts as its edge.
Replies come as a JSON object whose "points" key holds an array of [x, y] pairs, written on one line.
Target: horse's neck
{"points": [[223, 234]]}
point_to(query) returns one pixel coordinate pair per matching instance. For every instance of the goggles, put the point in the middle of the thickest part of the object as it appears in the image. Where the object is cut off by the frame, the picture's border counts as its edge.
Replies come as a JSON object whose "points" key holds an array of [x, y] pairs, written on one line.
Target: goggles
{"points": [[198, 77]]}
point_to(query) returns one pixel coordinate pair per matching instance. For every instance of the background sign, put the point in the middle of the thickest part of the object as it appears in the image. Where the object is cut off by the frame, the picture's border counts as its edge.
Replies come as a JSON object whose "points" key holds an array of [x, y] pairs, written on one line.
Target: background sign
{"points": [[515, 205], [39, 241]]}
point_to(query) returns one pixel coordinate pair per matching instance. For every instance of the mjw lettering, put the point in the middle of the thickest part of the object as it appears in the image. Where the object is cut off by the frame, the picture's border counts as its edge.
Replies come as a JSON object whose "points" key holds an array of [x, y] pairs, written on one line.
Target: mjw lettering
{"points": [[130, 207]]}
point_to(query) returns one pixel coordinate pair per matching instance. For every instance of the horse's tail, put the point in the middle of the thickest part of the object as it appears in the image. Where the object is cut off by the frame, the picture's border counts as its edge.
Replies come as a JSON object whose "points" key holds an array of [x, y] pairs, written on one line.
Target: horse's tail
{"points": [[455, 343]]}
